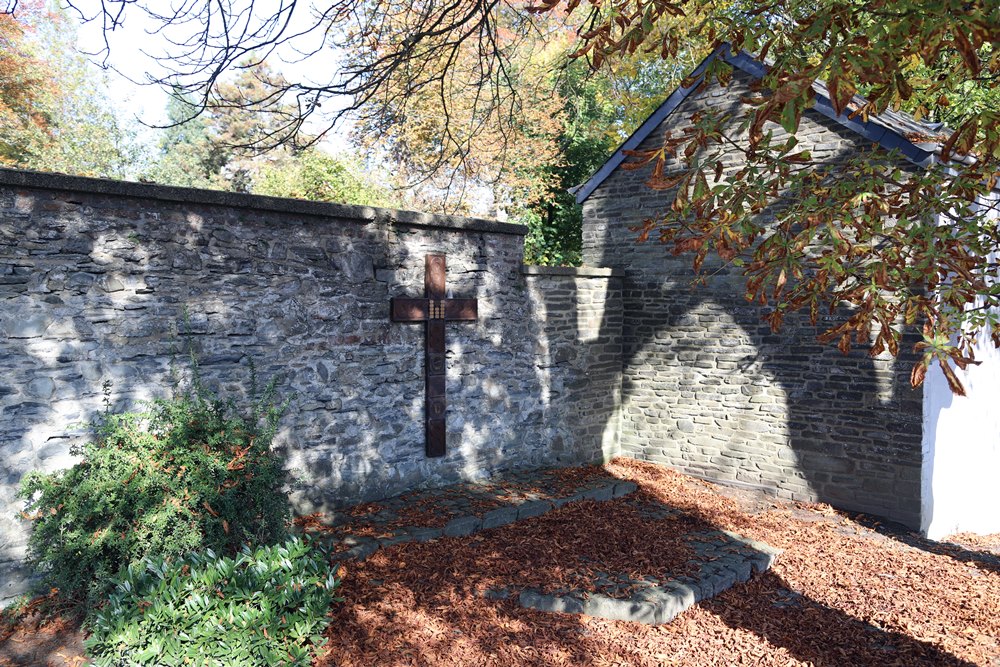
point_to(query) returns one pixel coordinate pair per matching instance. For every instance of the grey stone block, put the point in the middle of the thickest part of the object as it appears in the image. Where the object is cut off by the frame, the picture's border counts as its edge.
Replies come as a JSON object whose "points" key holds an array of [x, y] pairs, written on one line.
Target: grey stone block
{"points": [[624, 488], [41, 387], [498, 593], [683, 594], [566, 500], [399, 538], [620, 610], [499, 517], [359, 552], [423, 534], [533, 508], [463, 526], [31, 326], [601, 493], [743, 570], [563, 604]]}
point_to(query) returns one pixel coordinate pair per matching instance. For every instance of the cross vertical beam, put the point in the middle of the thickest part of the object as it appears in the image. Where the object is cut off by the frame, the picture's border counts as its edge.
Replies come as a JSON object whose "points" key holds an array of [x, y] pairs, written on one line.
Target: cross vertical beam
{"points": [[434, 310]]}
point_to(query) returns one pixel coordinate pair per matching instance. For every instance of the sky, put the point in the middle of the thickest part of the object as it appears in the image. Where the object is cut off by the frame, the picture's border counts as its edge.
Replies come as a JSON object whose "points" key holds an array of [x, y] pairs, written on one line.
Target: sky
{"points": [[130, 61], [128, 64]]}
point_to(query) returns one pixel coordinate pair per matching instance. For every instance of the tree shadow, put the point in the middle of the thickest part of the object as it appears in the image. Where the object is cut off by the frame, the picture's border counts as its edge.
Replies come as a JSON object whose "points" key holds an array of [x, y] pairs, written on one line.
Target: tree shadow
{"points": [[817, 634], [423, 604], [984, 560], [708, 389]]}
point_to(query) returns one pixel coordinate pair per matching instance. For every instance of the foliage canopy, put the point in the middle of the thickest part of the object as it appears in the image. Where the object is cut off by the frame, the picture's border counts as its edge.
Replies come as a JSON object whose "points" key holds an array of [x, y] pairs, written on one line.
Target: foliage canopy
{"points": [[913, 248]]}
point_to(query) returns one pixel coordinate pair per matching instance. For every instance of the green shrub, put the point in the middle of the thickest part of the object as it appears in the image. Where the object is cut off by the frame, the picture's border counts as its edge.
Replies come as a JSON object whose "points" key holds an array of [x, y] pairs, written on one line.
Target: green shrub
{"points": [[264, 607], [190, 472]]}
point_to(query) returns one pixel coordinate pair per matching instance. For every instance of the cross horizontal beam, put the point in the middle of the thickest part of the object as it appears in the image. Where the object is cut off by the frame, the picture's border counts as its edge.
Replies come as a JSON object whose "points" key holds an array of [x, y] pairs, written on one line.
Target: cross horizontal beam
{"points": [[405, 309]]}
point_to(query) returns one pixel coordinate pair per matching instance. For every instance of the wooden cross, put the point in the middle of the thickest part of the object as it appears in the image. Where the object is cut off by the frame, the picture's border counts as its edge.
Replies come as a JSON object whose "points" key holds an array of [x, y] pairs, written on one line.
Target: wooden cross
{"points": [[434, 309]]}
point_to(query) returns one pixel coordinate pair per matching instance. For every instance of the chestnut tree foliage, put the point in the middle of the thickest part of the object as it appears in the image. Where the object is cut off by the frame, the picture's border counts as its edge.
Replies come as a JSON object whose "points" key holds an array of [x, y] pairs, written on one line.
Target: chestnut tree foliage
{"points": [[890, 246]]}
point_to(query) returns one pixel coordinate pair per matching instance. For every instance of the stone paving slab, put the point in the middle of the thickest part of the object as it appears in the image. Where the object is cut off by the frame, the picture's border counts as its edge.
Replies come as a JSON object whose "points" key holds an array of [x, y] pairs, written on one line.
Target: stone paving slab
{"points": [[462, 510]]}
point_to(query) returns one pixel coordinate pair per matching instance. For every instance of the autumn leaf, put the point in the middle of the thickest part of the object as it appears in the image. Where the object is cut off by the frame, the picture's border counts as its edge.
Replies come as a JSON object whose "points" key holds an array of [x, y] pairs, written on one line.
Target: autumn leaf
{"points": [[953, 382]]}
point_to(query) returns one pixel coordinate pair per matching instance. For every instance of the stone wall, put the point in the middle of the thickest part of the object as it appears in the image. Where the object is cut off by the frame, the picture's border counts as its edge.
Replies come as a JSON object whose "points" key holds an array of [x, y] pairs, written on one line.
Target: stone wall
{"points": [[708, 389], [103, 281], [579, 354]]}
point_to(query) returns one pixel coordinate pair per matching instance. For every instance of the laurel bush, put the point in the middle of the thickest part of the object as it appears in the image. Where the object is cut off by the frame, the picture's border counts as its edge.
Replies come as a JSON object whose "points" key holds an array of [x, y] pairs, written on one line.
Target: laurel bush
{"points": [[265, 606], [189, 472]]}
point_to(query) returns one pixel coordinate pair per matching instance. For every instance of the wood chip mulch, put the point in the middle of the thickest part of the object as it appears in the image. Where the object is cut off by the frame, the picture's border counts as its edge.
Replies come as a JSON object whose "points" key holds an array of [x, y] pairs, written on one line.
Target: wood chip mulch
{"points": [[436, 507], [846, 591], [840, 594]]}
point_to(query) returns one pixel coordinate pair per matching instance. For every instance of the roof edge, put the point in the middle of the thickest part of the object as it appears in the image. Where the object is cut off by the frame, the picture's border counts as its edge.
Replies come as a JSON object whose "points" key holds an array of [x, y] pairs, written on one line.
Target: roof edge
{"points": [[647, 127], [743, 61]]}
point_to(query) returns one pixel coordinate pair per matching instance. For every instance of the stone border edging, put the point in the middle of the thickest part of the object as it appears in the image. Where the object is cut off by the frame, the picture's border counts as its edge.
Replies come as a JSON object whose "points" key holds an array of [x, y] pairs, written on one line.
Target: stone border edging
{"points": [[463, 526], [170, 193], [661, 602], [724, 558]]}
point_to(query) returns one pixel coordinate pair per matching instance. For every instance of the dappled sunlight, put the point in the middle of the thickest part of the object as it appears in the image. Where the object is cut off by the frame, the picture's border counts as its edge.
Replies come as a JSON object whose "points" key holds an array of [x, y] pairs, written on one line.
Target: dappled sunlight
{"points": [[722, 420], [426, 603], [591, 313]]}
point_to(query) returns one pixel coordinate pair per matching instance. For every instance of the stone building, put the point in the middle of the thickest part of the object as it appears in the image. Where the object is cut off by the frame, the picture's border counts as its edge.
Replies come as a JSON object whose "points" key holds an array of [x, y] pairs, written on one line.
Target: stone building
{"points": [[708, 389]]}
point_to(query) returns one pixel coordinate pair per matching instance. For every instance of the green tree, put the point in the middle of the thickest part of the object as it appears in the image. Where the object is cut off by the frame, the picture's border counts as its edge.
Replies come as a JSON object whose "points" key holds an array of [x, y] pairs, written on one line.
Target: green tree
{"points": [[85, 135], [588, 136], [189, 154], [318, 176], [54, 109], [601, 108], [219, 146], [229, 146], [24, 83]]}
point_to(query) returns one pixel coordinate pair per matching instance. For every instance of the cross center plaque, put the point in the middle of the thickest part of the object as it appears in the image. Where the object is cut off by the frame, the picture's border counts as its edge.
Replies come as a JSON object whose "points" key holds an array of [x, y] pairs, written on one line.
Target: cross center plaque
{"points": [[434, 310]]}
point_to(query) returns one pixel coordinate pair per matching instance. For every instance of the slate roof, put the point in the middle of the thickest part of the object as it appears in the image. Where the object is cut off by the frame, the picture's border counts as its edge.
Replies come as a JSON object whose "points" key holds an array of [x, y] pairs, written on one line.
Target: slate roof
{"points": [[917, 141]]}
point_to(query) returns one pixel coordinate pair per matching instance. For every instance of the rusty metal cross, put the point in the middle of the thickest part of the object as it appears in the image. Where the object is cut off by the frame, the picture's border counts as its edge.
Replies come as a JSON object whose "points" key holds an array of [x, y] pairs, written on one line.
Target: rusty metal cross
{"points": [[434, 309]]}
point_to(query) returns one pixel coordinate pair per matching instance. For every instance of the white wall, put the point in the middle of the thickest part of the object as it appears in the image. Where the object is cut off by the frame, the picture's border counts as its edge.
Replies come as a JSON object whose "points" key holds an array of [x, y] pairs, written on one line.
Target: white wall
{"points": [[961, 449]]}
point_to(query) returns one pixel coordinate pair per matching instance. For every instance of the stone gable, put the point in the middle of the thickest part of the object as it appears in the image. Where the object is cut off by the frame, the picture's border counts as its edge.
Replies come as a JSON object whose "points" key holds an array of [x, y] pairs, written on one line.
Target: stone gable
{"points": [[709, 390]]}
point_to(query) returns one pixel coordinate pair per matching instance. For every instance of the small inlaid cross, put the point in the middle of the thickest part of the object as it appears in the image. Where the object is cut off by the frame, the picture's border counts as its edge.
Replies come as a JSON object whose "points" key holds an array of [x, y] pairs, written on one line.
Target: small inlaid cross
{"points": [[434, 309]]}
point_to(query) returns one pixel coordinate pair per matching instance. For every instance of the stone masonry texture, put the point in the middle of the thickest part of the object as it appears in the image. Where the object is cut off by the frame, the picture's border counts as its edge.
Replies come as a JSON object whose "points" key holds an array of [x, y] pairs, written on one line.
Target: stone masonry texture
{"points": [[709, 390], [115, 282]]}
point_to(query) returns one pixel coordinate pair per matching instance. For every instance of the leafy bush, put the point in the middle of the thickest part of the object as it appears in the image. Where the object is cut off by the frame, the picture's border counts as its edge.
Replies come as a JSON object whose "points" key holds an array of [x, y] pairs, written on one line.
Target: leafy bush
{"points": [[190, 472], [264, 607], [554, 238]]}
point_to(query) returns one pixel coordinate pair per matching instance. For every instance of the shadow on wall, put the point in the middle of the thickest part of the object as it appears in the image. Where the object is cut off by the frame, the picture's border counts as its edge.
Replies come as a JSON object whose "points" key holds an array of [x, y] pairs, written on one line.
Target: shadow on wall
{"points": [[708, 389], [577, 315], [96, 285]]}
